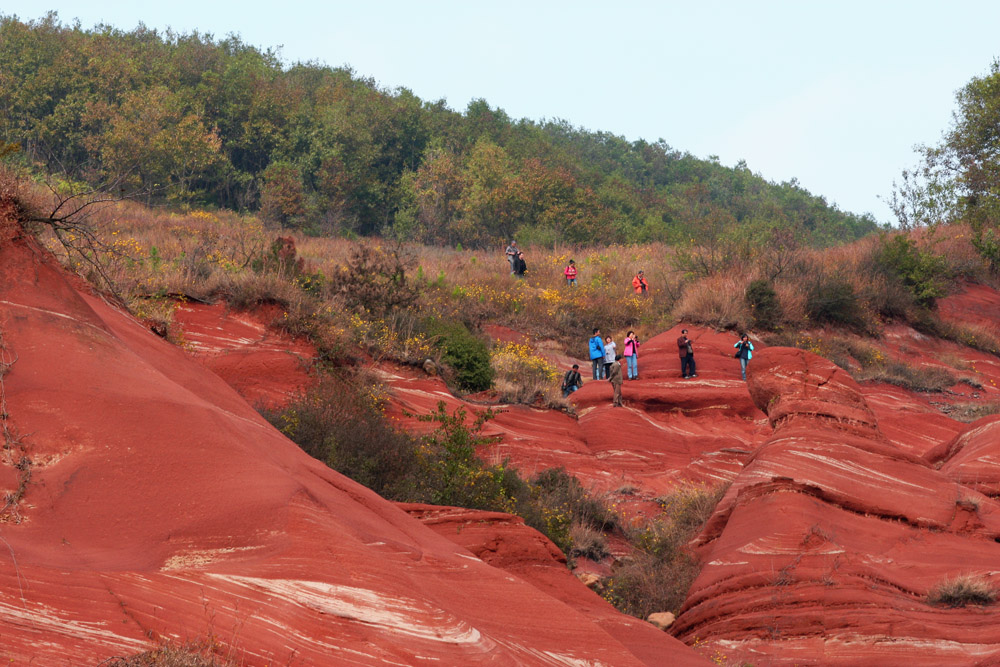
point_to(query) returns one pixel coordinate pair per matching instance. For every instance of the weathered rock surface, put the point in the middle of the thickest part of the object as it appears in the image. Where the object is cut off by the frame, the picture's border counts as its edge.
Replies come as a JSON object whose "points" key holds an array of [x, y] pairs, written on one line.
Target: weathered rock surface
{"points": [[505, 542], [264, 366], [824, 548], [148, 501]]}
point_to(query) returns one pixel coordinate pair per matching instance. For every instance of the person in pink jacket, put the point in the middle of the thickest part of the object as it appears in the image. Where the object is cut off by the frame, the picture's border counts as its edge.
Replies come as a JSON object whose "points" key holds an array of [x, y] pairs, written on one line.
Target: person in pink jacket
{"points": [[632, 355], [570, 272]]}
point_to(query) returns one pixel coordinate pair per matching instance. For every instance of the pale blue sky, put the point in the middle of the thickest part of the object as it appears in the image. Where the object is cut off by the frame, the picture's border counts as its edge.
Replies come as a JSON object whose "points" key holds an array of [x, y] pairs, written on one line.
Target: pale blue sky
{"points": [[835, 94]]}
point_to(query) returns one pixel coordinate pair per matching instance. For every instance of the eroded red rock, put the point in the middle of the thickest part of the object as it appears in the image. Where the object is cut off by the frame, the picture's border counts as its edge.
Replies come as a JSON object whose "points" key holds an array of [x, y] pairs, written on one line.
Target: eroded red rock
{"points": [[825, 547], [265, 366], [159, 505]]}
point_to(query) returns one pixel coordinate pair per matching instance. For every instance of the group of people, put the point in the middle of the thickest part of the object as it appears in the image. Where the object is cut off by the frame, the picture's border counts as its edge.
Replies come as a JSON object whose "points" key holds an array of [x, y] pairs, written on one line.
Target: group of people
{"points": [[606, 362], [515, 257], [685, 349]]}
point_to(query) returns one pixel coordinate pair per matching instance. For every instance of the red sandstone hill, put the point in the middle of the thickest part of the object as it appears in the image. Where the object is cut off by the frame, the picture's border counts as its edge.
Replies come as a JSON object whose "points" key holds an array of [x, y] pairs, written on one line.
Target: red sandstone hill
{"points": [[849, 502], [147, 501]]}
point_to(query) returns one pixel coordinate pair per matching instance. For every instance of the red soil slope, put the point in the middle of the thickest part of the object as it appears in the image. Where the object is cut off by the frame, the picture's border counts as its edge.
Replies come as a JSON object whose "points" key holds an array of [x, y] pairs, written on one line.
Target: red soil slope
{"points": [[146, 501], [826, 545], [264, 366]]}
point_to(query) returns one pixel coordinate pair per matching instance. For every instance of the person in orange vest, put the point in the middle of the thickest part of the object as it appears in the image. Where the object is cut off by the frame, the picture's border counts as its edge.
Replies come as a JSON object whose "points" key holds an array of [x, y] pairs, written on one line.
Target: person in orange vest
{"points": [[639, 283]]}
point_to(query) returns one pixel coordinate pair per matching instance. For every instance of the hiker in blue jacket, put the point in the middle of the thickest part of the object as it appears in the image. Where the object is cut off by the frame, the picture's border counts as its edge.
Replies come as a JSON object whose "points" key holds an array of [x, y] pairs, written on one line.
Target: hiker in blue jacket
{"points": [[744, 352], [597, 354]]}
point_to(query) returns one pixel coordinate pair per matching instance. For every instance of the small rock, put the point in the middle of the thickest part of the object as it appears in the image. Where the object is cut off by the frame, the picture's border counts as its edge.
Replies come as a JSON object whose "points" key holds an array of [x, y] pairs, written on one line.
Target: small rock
{"points": [[589, 579], [661, 619], [430, 367]]}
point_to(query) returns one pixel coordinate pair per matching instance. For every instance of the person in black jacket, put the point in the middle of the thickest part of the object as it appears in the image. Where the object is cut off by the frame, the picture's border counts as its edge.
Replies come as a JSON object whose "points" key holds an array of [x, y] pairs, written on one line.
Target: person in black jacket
{"points": [[519, 266], [571, 381]]}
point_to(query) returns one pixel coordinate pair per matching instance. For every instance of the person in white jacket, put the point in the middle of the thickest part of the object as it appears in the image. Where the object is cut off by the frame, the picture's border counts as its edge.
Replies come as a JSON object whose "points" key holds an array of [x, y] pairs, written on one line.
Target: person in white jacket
{"points": [[609, 354]]}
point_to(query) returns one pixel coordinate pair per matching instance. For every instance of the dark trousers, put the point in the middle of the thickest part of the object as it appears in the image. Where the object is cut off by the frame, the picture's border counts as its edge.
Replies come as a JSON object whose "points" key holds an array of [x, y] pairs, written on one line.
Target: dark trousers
{"points": [[687, 365], [598, 367]]}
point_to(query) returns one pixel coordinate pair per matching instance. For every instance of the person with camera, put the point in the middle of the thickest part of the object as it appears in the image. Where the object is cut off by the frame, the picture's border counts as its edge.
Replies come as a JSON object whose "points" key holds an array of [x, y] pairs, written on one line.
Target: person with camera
{"points": [[686, 351], [631, 353], [744, 352]]}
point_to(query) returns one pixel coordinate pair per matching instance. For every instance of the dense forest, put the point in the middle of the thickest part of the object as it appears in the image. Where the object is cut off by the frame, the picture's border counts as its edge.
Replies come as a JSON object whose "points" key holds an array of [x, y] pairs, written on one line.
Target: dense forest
{"points": [[191, 120]]}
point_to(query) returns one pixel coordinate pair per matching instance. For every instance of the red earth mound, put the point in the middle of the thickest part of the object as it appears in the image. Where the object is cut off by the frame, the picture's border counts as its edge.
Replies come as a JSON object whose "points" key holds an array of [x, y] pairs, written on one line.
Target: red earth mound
{"points": [[825, 547], [146, 501], [264, 366]]}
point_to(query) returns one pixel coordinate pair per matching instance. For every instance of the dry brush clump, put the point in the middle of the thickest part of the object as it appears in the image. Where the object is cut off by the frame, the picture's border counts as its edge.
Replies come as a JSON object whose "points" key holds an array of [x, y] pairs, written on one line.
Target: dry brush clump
{"points": [[963, 590], [191, 654], [717, 301], [660, 570]]}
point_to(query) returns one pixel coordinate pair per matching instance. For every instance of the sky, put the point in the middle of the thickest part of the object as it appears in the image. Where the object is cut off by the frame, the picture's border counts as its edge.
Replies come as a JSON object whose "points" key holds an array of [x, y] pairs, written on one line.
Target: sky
{"points": [[834, 94]]}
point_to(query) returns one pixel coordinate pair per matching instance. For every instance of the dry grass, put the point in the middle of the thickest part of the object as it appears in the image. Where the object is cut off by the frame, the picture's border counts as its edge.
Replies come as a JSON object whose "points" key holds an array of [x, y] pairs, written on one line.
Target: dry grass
{"points": [[963, 590], [908, 376], [657, 575], [189, 655], [588, 543], [970, 412], [716, 301]]}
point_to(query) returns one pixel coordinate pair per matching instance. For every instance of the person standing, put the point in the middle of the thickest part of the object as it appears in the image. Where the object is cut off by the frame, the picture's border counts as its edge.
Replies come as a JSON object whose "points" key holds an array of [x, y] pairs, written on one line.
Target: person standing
{"points": [[615, 378], [686, 351], [597, 353], [639, 283], [519, 266], [570, 273], [512, 252], [609, 354], [744, 352], [631, 356], [571, 381]]}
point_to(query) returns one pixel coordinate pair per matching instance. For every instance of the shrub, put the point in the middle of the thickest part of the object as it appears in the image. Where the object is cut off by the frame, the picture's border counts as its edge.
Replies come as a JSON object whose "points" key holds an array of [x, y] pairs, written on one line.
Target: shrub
{"points": [[963, 590], [588, 543], [765, 309], [340, 422], [520, 376], [659, 572], [832, 300], [924, 273], [374, 279], [465, 354], [560, 489], [970, 412]]}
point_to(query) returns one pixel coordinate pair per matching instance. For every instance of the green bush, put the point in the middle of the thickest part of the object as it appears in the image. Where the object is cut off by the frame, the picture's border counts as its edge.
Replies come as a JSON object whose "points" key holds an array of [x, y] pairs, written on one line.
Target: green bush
{"points": [[832, 300], [465, 354], [762, 300], [340, 422], [560, 489], [923, 273]]}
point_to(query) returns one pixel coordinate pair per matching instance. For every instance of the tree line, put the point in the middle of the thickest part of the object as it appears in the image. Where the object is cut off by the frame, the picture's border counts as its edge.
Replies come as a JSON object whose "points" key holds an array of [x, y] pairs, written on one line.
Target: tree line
{"points": [[192, 120]]}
